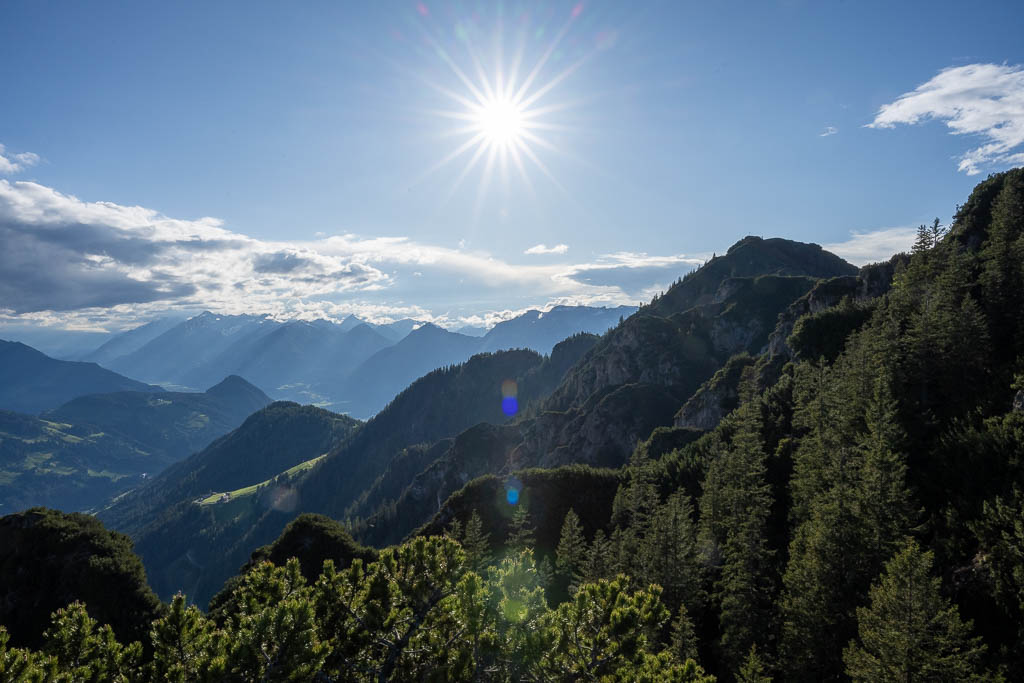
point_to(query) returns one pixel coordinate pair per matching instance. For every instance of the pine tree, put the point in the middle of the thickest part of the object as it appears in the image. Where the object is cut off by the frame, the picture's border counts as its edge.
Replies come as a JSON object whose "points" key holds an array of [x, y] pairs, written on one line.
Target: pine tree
{"points": [[476, 543], [669, 555], [884, 503], [684, 640], [521, 533], [753, 670], [571, 553], [600, 558], [910, 632], [86, 651], [924, 240], [546, 573], [734, 518], [186, 645]]}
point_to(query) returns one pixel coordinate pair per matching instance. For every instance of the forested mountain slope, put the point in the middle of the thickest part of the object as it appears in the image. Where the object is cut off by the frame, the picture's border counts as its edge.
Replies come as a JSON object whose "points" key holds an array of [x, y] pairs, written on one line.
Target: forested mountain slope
{"points": [[885, 458], [170, 536], [633, 381], [270, 441]]}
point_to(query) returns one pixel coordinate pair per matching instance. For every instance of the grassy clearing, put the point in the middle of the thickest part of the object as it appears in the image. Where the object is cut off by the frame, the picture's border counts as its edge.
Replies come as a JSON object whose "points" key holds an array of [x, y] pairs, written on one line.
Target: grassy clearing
{"points": [[249, 490]]}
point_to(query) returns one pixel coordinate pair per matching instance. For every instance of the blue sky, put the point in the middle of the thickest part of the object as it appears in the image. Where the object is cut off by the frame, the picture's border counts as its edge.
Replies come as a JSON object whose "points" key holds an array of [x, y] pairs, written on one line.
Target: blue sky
{"points": [[282, 158]]}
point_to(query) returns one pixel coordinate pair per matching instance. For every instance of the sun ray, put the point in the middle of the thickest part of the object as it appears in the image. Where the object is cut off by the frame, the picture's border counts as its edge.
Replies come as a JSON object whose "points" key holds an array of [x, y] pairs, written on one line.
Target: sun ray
{"points": [[543, 90], [485, 183], [457, 152], [542, 166], [481, 148], [542, 61]]}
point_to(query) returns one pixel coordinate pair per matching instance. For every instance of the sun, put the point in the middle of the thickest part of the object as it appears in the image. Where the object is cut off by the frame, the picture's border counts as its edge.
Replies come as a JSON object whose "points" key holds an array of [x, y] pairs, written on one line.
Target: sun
{"points": [[501, 122], [503, 111]]}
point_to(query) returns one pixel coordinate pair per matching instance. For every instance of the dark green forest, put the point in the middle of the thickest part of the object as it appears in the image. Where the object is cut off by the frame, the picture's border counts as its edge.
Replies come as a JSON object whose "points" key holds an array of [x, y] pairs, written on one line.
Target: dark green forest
{"points": [[842, 502]]}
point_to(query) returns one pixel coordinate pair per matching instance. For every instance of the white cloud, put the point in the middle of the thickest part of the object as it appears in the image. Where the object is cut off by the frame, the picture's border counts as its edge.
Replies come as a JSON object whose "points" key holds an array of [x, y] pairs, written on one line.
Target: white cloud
{"points": [[13, 163], [986, 100], [871, 247], [544, 249], [829, 130]]}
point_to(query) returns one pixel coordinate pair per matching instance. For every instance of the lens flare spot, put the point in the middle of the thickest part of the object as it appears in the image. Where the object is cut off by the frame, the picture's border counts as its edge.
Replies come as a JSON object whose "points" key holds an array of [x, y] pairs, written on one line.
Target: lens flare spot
{"points": [[512, 496], [283, 498], [509, 388], [514, 610], [510, 406]]}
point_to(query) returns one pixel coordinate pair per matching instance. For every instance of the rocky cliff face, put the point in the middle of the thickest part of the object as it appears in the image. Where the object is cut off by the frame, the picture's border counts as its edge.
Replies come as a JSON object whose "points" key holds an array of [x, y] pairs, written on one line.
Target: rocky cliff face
{"points": [[825, 295], [716, 398], [719, 395], [871, 282]]}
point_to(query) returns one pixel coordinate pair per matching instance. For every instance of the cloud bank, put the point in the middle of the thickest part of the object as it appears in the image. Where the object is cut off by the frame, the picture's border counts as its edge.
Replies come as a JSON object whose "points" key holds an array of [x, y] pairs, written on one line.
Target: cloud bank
{"points": [[93, 265], [986, 100]]}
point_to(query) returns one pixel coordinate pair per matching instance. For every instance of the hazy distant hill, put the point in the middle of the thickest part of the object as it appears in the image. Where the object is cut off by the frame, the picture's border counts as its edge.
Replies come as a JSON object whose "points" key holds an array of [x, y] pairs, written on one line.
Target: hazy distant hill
{"points": [[131, 340], [173, 424], [387, 372], [31, 381], [352, 366], [540, 331], [190, 344], [397, 330], [94, 447], [298, 359]]}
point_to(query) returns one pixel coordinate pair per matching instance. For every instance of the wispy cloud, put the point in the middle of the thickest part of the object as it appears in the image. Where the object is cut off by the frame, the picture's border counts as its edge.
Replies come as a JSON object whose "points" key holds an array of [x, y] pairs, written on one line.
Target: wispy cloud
{"points": [[986, 100], [874, 246], [13, 163], [545, 249], [829, 130]]}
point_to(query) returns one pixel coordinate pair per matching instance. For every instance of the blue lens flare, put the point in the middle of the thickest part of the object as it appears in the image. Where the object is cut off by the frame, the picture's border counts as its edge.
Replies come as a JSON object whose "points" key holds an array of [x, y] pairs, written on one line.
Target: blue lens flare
{"points": [[512, 496], [509, 405]]}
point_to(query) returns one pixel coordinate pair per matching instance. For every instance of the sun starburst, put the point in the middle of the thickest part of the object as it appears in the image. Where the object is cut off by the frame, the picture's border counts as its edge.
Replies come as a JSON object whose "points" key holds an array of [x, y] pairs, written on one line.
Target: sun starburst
{"points": [[504, 118]]}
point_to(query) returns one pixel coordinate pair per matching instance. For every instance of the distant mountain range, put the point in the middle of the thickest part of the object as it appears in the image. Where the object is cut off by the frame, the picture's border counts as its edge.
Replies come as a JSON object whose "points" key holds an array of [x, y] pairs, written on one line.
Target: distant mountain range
{"points": [[353, 367]]}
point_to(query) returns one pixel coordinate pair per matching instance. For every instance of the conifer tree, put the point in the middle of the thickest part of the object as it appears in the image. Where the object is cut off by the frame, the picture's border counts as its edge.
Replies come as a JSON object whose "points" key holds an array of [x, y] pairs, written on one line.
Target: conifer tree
{"points": [[669, 555], [600, 558], [753, 669], [521, 533], [883, 499], [476, 543], [571, 554], [186, 645], [910, 632], [684, 640], [734, 517], [88, 652]]}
